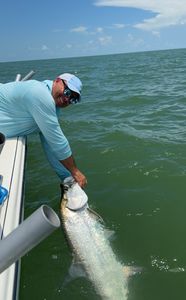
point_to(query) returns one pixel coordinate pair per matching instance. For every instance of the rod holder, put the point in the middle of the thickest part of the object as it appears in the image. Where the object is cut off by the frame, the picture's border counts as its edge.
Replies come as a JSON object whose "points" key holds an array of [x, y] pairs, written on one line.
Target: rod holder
{"points": [[18, 77], [27, 235], [28, 76]]}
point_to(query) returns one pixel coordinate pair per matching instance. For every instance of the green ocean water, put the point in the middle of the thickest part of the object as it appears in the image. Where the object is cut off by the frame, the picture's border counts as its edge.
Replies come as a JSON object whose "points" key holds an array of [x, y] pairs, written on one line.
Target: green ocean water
{"points": [[128, 136]]}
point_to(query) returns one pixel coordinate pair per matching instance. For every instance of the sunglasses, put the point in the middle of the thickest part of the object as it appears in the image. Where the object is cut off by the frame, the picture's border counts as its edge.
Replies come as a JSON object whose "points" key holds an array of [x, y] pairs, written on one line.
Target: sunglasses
{"points": [[69, 94]]}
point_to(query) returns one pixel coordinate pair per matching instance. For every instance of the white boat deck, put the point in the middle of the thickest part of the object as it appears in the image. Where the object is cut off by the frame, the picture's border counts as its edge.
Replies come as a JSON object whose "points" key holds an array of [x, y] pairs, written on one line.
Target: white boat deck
{"points": [[12, 164]]}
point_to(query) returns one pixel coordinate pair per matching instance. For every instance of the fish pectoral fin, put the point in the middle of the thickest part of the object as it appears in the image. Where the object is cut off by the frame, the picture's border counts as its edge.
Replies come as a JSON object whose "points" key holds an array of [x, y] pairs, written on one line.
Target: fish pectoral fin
{"points": [[110, 234], [95, 215], [130, 271], [76, 270]]}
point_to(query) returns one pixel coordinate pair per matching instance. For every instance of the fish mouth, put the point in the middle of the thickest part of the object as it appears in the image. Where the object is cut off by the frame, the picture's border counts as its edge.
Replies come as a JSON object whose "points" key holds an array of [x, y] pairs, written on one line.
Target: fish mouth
{"points": [[75, 198]]}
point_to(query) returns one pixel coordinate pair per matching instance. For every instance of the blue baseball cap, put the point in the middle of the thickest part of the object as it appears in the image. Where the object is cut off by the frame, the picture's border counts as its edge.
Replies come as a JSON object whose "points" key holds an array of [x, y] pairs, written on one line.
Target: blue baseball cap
{"points": [[73, 82]]}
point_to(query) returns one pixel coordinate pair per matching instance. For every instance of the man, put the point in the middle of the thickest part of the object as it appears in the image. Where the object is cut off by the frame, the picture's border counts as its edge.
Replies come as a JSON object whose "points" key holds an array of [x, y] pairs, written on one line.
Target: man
{"points": [[33, 106]]}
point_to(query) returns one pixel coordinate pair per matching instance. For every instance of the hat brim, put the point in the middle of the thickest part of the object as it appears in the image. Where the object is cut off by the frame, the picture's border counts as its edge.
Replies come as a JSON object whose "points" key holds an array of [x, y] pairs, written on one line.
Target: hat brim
{"points": [[72, 88]]}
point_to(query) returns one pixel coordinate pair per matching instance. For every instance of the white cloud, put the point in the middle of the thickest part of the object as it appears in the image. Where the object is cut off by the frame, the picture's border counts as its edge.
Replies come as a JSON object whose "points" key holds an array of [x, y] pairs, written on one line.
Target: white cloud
{"points": [[69, 46], [156, 33], [119, 26], [79, 29], [99, 29], [130, 37], [168, 12], [44, 48], [135, 42], [38, 48], [104, 40]]}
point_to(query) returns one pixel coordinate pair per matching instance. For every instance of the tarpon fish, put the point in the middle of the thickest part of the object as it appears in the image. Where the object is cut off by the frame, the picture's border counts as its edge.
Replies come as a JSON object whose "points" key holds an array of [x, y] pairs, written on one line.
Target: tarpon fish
{"points": [[93, 256]]}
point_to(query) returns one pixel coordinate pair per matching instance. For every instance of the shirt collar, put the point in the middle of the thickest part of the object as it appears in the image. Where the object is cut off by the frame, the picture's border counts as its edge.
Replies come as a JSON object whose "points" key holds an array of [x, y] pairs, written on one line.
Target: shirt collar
{"points": [[49, 84]]}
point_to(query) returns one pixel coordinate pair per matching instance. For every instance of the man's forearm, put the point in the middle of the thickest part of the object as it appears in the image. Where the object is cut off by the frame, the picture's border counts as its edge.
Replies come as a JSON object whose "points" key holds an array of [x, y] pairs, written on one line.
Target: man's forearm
{"points": [[69, 164]]}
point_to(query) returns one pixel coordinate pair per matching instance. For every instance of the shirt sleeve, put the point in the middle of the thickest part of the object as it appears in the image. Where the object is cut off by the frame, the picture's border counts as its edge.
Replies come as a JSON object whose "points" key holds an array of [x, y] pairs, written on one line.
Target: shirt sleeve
{"points": [[41, 106], [60, 170]]}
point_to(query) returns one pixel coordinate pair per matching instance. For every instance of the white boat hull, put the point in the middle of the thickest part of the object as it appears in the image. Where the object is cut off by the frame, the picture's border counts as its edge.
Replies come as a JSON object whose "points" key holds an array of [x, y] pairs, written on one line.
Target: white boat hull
{"points": [[12, 165]]}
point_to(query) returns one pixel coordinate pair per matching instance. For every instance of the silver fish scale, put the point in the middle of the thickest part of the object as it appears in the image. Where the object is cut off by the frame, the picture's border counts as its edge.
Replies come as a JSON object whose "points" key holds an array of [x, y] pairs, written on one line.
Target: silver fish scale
{"points": [[93, 249]]}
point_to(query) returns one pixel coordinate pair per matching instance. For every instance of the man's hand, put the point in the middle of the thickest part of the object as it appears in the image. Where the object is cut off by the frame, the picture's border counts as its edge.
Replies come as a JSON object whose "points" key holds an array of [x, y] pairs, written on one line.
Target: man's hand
{"points": [[69, 163], [80, 178]]}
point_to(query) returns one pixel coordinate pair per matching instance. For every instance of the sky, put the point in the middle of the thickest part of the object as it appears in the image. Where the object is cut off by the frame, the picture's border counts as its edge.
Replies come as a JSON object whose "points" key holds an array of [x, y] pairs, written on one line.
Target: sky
{"points": [[39, 29]]}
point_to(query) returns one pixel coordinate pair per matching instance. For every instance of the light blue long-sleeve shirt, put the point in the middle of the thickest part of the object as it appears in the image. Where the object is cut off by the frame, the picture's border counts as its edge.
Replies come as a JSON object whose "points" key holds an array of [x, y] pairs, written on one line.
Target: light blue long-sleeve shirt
{"points": [[27, 107]]}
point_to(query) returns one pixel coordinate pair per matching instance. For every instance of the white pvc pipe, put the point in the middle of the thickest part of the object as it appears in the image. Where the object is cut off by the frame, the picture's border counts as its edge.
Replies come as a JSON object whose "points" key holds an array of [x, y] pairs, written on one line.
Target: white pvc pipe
{"points": [[27, 235], [28, 76], [18, 77]]}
